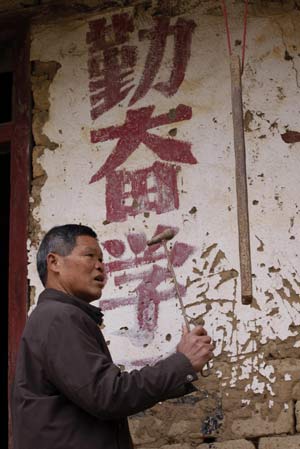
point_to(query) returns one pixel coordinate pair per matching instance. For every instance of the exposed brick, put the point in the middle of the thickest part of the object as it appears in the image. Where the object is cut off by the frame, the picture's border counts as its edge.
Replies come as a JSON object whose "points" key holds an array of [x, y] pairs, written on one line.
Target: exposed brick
{"points": [[297, 410], [296, 391], [258, 425], [232, 444], [181, 427], [41, 93], [170, 446], [289, 442], [36, 166], [139, 430]]}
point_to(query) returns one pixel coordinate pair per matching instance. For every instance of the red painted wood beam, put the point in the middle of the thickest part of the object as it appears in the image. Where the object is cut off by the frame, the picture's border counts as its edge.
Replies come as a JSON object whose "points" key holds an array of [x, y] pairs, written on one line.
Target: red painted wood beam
{"points": [[6, 130], [19, 199]]}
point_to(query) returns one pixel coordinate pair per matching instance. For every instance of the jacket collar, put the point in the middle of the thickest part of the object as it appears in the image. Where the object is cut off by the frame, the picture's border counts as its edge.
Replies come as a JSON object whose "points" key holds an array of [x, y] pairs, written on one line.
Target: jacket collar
{"points": [[57, 295]]}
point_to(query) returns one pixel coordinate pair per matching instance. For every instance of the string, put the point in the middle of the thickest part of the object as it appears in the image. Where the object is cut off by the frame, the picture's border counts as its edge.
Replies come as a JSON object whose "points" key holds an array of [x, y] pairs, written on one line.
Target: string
{"points": [[227, 26], [244, 34], [224, 8]]}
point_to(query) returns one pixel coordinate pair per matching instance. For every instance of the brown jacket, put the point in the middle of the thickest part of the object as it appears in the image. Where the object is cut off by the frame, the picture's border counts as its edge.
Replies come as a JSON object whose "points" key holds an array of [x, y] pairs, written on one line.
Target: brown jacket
{"points": [[68, 394]]}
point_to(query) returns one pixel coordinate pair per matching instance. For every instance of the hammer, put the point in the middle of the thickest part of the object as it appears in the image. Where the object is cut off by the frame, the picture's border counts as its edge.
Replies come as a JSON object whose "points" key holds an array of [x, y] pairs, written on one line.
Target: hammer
{"points": [[163, 237], [168, 234]]}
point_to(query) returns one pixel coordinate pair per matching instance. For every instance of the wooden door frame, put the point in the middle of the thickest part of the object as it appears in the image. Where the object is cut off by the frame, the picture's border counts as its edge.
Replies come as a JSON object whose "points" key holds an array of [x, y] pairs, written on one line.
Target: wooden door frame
{"points": [[18, 134]]}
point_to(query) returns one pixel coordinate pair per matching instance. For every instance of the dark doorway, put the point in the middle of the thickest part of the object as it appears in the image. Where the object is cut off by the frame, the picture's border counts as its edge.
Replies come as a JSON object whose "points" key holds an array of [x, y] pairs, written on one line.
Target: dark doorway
{"points": [[6, 85]]}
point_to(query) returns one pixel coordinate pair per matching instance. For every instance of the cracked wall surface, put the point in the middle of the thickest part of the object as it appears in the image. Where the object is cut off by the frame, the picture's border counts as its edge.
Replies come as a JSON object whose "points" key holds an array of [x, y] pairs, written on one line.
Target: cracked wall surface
{"points": [[43, 74], [254, 385]]}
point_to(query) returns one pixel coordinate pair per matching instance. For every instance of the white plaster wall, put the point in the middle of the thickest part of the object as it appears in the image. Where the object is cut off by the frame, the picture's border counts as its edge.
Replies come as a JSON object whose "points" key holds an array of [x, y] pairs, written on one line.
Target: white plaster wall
{"points": [[272, 93]]}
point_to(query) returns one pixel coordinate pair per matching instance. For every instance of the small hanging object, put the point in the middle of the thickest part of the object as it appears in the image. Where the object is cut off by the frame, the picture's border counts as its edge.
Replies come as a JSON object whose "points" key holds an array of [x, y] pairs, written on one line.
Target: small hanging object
{"points": [[236, 70], [241, 180]]}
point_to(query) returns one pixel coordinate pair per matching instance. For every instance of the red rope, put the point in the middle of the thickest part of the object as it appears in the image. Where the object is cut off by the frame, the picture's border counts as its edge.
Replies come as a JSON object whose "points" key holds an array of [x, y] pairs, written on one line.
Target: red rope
{"points": [[227, 26], [228, 31], [244, 34]]}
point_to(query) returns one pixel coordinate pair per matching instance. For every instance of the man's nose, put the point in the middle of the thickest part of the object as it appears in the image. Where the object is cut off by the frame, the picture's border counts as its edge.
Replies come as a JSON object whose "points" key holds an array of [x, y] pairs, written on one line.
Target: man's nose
{"points": [[100, 265]]}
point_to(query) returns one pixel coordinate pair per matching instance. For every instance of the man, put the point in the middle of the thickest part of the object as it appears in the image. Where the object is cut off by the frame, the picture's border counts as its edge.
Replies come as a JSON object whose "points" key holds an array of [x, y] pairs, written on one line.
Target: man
{"points": [[68, 394]]}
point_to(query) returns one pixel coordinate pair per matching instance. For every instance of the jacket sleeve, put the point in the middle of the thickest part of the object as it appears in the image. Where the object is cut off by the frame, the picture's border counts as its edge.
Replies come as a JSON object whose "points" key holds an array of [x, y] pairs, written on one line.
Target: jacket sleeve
{"points": [[81, 371]]}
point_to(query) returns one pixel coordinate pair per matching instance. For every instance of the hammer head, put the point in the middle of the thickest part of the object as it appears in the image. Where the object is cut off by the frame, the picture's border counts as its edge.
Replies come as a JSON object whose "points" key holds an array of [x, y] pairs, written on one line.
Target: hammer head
{"points": [[168, 234]]}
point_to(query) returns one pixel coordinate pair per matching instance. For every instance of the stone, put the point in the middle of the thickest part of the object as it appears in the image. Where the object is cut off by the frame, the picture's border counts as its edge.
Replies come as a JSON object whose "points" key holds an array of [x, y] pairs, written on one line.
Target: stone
{"points": [[257, 425], [170, 446], [181, 427], [139, 431], [286, 442], [39, 120], [297, 413], [175, 446], [296, 391], [37, 169], [40, 93], [232, 444]]}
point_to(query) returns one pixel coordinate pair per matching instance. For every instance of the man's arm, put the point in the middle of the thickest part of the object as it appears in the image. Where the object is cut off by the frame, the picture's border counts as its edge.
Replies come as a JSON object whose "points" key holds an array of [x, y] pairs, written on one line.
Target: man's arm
{"points": [[85, 375]]}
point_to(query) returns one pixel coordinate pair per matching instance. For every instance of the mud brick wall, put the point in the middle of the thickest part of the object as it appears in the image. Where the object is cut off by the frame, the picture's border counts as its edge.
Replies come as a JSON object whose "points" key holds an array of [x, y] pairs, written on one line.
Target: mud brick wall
{"points": [[132, 129]]}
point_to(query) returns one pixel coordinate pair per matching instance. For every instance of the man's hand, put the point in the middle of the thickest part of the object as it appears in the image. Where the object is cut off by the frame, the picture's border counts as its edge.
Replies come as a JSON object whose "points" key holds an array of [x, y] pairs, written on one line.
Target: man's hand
{"points": [[196, 346]]}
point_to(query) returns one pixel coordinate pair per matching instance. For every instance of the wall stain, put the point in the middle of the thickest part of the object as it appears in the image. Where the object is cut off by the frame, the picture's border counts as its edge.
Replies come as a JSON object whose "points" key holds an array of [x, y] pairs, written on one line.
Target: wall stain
{"points": [[291, 137], [247, 121]]}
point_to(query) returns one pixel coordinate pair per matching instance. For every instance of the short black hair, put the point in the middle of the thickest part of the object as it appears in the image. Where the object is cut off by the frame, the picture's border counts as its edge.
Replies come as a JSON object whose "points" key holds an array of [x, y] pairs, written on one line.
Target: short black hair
{"points": [[60, 240]]}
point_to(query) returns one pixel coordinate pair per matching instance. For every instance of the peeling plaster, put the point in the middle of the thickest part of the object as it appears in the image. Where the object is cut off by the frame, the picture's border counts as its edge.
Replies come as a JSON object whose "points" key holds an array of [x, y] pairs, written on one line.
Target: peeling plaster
{"points": [[290, 29], [43, 74]]}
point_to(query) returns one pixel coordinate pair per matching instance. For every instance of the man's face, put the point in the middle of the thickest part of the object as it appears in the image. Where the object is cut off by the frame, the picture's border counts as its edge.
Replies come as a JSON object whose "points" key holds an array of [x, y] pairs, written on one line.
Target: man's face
{"points": [[81, 273]]}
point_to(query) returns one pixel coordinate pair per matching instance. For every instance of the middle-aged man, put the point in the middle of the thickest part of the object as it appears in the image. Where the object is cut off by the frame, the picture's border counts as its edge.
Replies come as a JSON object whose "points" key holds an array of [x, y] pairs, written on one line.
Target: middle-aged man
{"points": [[68, 393]]}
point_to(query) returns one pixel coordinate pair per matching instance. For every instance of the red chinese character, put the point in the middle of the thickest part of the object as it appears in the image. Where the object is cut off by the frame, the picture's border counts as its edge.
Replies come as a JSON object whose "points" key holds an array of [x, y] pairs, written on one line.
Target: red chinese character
{"points": [[182, 33], [110, 66], [135, 131], [103, 36], [149, 189], [147, 295]]}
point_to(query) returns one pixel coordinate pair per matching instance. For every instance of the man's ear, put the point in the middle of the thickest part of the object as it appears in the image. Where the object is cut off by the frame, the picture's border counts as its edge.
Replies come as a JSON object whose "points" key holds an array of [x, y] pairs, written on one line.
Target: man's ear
{"points": [[53, 262]]}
